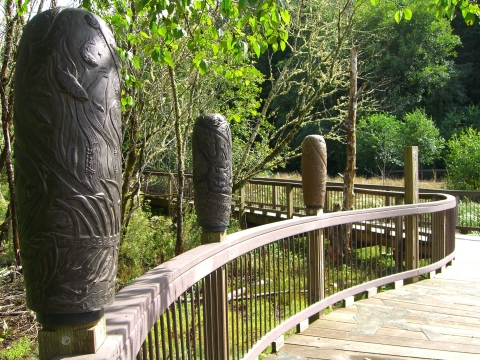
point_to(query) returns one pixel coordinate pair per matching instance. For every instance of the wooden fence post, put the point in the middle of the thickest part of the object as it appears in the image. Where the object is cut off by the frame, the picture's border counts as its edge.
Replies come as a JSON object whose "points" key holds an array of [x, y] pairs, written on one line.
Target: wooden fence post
{"points": [[316, 265], [399, 245], [170, 194], [241, 209], [450, 218], [274, 197], [314, 184], [411, 197], [289, 191], [216, 303]]}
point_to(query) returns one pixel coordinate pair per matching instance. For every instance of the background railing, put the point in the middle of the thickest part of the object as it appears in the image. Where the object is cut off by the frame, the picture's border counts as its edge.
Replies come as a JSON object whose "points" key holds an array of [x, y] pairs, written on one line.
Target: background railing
{"points": [[283, 199], [264, 281]]}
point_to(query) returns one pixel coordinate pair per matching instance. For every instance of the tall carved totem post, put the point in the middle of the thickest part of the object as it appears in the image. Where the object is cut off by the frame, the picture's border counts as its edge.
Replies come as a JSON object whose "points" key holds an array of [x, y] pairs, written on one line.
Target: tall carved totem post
{"points": [[68, 175], [314, 184], [212, 182]]}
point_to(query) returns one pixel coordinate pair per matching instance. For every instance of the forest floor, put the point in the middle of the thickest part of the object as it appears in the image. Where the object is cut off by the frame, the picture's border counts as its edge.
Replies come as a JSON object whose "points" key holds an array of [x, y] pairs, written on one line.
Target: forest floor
{"points": [[18, 328]]}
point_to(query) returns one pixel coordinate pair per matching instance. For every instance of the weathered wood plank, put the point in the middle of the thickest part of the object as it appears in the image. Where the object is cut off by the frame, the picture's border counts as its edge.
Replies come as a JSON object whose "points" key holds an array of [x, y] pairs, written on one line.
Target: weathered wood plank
{"points": [[431, 342], [317, 344]]}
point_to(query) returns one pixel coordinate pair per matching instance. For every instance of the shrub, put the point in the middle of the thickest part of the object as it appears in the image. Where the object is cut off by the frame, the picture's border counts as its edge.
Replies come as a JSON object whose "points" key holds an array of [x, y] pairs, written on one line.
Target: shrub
{"points": [[148, 241], [463, 161]]}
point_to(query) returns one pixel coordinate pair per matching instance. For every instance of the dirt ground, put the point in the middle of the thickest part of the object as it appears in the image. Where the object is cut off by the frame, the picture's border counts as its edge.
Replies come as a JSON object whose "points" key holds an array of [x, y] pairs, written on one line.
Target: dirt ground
{"points": [[16, 320]]}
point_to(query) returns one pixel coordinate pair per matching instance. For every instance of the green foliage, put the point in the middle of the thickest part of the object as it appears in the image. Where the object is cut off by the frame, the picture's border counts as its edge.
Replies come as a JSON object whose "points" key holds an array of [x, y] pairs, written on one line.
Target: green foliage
{"points": [[234, 28], [419, 130], [463, 161], [413, 62], [148, 241], [18, 350], [381, 139], [379, 136], [441, 8], [460, 118]]}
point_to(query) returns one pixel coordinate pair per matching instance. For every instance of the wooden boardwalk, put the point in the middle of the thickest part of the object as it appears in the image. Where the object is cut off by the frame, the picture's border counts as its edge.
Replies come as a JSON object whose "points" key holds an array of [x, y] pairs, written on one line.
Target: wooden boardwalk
{"points": [[437, 318]]}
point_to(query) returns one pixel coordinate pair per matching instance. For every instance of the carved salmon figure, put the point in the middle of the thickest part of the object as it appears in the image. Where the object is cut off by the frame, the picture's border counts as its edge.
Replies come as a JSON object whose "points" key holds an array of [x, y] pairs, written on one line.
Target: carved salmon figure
{"points": [[87, 56], [70, 85]]}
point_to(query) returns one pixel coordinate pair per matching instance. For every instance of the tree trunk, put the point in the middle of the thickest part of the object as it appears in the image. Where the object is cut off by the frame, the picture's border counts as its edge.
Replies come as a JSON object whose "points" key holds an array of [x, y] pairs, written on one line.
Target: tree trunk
{"points": [[350, 127], [351, 168], [7, 100], [180, 164]]}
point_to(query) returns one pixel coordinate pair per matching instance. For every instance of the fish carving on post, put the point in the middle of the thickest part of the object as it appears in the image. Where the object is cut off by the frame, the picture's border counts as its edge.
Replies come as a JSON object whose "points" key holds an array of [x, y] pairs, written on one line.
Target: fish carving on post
{"points": [[212, 172], [68, 163]]}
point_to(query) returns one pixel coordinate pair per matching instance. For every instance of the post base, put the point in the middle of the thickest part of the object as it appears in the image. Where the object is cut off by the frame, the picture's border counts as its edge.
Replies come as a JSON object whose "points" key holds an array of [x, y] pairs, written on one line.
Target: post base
{"points": [[71, 339]]}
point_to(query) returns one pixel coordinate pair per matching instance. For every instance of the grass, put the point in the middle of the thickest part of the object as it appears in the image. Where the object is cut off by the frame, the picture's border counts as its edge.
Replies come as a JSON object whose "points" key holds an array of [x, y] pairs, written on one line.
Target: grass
{"points": [[19, 350]]}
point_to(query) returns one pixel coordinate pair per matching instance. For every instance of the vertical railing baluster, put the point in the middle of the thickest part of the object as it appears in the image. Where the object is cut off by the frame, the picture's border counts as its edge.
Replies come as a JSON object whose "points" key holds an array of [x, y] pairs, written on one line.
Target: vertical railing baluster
{"points": [[163, 334], [237, 308], [151, 355], [186, 333], [157, 343], [200, 311]]}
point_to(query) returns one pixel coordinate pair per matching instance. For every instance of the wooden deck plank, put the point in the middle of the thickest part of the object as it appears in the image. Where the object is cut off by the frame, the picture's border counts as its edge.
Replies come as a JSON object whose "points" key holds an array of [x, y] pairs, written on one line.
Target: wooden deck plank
{"points": [[437, 318], [418, 332], [430, 343], [415, 322], [316, 344]]}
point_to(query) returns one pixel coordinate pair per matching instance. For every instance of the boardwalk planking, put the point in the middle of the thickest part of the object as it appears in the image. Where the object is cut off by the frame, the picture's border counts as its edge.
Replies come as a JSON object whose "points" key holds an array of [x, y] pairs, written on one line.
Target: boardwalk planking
{"points": [[437, 318]]}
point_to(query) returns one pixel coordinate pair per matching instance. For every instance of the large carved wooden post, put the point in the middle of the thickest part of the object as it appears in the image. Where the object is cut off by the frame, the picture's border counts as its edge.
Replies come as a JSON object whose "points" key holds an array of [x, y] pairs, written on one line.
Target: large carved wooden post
{"points": [[212, 179], [68, 175], [314, 183]]}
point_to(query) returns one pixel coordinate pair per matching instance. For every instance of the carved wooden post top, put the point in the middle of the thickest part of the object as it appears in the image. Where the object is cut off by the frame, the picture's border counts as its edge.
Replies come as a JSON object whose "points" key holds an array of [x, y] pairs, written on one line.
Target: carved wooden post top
{"points": [[314, 171]]}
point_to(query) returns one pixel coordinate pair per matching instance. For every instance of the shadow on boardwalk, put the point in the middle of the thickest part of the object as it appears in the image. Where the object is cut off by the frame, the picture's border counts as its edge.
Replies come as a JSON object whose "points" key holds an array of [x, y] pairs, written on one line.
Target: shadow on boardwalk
{"points": [[437, 318]]}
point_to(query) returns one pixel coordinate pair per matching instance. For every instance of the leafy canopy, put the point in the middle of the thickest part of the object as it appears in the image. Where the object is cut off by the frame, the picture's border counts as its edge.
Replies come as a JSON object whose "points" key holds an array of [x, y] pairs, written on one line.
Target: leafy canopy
{"points": [[236, 28], [442, 8]]}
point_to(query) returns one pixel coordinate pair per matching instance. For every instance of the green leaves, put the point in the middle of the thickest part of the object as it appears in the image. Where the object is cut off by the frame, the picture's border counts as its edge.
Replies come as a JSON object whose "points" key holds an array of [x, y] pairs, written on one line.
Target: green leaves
{"points": [[403, 13], [398, 16], [285, 16], [470, 9], [407, 14], [162, 56]]}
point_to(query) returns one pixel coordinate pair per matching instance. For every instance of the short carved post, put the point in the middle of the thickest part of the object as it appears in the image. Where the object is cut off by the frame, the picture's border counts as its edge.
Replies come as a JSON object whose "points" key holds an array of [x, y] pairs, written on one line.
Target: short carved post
{"points": [[68, 175], [212, 177], [411, 197], [314, 184]]}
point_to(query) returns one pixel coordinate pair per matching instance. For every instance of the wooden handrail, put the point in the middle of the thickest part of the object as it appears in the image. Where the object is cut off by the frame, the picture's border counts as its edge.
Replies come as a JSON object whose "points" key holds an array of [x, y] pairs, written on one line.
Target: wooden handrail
{"points": [[138, 306]]}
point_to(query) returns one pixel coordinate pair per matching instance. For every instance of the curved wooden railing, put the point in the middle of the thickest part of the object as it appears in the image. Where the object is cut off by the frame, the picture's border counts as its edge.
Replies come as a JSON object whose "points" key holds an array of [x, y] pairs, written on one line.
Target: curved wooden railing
{"points": [[283, 198], [264, 281]]}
